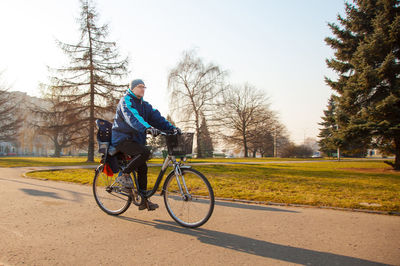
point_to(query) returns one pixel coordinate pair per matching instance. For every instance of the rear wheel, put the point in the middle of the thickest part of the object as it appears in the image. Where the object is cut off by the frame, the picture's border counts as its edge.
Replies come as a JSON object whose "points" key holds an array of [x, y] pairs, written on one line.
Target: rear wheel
{"points": [[194, 207], [111, 197]]}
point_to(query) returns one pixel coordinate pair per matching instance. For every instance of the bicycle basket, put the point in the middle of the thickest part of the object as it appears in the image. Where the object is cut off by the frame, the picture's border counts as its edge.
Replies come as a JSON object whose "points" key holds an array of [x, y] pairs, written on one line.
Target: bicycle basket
{"points": [[180, 145]]}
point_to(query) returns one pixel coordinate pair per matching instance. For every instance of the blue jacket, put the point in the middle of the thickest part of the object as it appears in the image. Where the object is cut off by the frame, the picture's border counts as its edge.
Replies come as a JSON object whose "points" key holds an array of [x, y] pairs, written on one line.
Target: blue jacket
{"points": [[133, 117]]}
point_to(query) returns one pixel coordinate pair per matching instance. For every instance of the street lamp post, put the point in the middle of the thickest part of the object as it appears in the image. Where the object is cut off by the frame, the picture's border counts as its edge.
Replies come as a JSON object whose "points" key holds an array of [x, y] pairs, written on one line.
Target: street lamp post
{"points": [[338, 148]]}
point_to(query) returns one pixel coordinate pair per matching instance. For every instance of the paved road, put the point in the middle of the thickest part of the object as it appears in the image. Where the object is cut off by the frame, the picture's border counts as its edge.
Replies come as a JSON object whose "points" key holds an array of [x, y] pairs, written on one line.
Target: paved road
{"points": [[57, 223]]}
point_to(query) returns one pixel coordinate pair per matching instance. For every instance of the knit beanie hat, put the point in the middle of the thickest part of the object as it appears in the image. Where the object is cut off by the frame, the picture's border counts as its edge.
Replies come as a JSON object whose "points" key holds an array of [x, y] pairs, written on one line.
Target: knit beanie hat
{"points": [[136, 82]]}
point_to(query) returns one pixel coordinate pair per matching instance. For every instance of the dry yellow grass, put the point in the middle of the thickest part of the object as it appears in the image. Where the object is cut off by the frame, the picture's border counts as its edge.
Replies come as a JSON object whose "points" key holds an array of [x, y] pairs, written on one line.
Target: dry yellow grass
{"points": [[367, 184]]}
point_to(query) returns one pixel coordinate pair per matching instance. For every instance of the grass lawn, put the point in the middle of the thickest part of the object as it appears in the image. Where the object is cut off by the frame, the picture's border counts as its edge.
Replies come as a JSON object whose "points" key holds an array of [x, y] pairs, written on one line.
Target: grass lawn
{"points": [[65, 161], [43, 161], [249, 159], [362, 185]]}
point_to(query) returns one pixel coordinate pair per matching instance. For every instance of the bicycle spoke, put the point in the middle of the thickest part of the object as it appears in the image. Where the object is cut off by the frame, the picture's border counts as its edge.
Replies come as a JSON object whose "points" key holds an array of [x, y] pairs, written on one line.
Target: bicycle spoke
{"points": [[193, 208], [119, 196], [112, 202]]}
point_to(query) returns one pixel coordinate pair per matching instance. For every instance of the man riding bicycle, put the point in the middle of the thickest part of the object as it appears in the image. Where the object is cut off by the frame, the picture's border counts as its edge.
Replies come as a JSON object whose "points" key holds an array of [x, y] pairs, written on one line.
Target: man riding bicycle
{"points": [[134, 119]]}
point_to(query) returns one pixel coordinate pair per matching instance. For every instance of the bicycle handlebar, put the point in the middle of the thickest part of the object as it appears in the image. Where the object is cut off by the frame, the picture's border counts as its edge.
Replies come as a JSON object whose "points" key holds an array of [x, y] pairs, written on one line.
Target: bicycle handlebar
{"points": [[167, 132]]}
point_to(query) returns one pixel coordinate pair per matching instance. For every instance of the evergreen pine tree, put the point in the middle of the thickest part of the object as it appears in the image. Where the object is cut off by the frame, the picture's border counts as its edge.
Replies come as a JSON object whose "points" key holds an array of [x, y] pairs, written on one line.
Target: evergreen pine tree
{"points": [[328, 143], [205, 144], [89, 82], [367, 56]]}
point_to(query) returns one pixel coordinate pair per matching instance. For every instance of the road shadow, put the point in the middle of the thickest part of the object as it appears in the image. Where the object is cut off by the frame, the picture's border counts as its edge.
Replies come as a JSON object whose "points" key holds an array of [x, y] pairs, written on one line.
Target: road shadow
{"points": [[231, 204], [76, 196], [256, 247], [40, 193], [250, 206]]}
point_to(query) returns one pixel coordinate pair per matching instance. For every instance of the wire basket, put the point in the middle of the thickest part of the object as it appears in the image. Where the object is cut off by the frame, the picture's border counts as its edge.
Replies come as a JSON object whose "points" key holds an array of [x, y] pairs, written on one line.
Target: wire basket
{"points": [[180, 145]]}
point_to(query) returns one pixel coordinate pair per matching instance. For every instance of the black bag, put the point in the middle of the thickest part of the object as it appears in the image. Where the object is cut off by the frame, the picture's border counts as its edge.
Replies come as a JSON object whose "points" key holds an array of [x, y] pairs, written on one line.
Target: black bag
{"points": [[103, 135], [104, 140], [113, 163]]}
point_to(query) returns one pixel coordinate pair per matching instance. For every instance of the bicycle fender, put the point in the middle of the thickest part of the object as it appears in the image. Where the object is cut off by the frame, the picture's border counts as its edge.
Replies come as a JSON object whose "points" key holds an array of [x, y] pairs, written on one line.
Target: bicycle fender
{"points": [[99, 168]]}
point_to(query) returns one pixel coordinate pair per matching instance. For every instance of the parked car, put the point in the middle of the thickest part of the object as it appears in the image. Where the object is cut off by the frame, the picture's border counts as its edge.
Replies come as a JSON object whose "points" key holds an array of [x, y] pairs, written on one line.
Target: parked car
{"points": [[316, 155]]}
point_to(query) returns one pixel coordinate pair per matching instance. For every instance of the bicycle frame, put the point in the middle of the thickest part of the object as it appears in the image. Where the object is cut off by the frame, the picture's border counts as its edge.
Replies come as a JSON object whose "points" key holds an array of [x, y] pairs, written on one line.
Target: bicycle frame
{"points": [[177, 169]]}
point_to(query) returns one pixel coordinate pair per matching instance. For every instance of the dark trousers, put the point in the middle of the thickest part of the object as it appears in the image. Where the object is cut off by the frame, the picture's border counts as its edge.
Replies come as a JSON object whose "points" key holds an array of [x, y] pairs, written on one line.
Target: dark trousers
{"points": [[140, 155]]}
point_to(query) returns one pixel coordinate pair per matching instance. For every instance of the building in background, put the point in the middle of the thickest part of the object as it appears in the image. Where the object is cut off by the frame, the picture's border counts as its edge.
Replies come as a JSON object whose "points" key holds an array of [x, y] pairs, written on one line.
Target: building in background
{"points": [[28, 141]]}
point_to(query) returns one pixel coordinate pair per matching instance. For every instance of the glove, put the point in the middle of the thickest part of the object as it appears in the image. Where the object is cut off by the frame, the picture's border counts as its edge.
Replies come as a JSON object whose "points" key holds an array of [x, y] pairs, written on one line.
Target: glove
{"points": [[153, 131], [177, 131]]}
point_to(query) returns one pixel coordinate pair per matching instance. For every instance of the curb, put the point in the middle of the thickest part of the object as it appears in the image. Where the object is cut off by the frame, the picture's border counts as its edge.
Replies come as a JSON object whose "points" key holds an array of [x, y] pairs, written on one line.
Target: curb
{"points": [[307, 206]]}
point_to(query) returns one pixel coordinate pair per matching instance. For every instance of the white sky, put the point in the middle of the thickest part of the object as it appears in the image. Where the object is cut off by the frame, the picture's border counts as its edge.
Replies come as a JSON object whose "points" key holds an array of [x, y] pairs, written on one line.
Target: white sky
{"points": [[277, 46]]}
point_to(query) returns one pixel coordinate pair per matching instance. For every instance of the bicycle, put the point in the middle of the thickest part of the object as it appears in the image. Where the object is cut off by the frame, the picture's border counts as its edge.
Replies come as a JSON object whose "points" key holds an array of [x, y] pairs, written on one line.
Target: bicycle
{"points": [[188, 195]]}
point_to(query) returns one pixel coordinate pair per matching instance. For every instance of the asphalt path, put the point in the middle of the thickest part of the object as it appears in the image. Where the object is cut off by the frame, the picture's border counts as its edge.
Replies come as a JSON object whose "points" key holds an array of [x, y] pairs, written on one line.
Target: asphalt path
{"points": [[59, 223]]}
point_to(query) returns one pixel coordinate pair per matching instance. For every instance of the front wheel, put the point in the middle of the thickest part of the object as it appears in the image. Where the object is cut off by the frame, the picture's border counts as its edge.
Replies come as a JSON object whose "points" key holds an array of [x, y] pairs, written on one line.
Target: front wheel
{"points": [[194, 206], [111, 197]]}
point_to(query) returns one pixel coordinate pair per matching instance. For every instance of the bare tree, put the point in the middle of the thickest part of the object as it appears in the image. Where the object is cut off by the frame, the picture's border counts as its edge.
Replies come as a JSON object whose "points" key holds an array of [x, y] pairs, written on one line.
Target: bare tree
{"points": [[311, 143], [89, 82], [260, 135], [297, 151], [274, 140], [241, 111], [267, 135], [194, 88], [9, 115], [60, 122]]}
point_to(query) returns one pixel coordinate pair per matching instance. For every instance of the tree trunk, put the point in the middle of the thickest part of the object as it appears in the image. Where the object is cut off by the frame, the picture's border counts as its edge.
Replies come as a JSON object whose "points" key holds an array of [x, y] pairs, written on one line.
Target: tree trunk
{"points": [[57, 150], [246, 149], [200, 153], [254, 153], [91, 126], [397, 154], [90, 157]]}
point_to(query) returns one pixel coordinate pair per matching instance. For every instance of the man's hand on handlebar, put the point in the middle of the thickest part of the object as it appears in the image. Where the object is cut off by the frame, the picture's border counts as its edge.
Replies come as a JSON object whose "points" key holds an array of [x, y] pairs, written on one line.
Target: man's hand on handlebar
{"points": [[153, 131], [177, 131]]}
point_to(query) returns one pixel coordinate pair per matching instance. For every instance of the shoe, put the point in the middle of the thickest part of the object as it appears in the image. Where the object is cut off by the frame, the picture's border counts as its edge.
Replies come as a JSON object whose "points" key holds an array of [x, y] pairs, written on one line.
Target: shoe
{"points": [[125, 180], [147, 204]]}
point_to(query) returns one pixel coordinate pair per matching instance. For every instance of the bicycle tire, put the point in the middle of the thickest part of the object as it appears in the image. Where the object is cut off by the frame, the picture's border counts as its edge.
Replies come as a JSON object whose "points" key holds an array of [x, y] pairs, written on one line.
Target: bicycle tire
{"points": [[100, 196], [203, 199]]}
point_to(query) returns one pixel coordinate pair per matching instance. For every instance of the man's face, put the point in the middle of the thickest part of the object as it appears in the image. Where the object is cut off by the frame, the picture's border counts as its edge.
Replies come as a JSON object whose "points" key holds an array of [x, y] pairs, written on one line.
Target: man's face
{"points": [[139, 90]]}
